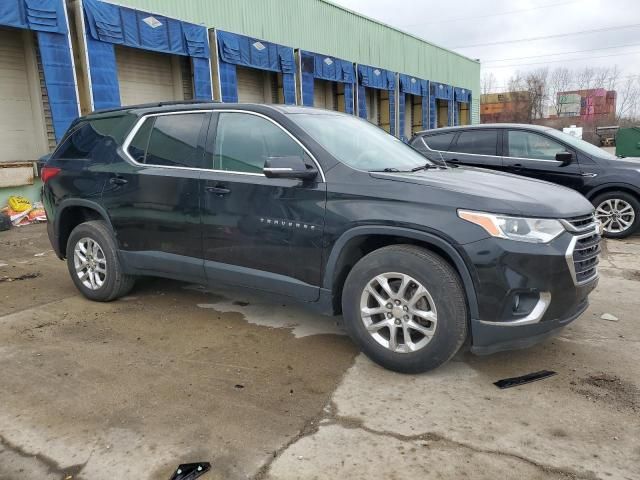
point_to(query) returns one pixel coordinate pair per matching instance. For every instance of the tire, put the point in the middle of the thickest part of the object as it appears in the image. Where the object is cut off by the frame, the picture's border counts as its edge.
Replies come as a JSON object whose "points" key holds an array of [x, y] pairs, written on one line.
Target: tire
{"points": [[628, 209], [101, 287], [410, 266]]}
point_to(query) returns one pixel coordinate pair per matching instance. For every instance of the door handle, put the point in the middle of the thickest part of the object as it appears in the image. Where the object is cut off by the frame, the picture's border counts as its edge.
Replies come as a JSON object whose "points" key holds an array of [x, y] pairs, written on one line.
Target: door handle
{"points": [[218, 190], [118, 181], [517, 166], [453, 160]]}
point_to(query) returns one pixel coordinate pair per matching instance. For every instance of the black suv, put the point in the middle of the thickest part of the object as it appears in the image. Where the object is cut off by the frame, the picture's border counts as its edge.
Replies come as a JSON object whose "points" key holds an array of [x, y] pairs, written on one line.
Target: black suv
{"points": [[324, 208], [612, 184]]}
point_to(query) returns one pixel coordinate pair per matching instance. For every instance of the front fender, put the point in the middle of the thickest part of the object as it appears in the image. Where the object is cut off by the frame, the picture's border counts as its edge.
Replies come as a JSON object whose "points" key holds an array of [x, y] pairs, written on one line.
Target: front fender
{"points": [[427, 238]]}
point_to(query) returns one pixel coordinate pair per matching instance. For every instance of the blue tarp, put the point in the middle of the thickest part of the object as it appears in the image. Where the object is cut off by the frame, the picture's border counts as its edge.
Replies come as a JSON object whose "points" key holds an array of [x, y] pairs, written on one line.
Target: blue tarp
{"points": [[235, 49], [412, 86], [108, 25], [133, 28], [462, 95], [323, 67], [59, 79], [440, 91], [48, 19], [372, 77], [39, 15]]}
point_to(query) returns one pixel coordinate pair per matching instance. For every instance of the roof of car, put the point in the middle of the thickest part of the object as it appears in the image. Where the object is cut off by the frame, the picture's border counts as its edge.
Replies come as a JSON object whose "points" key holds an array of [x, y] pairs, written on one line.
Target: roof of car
{"points": [[163, 107], [482, 126]]}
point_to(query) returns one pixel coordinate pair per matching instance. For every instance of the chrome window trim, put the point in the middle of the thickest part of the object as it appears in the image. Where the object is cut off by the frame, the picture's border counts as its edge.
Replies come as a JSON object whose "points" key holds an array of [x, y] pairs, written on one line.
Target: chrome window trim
{"points": [[142, 119], [422, 137], [452, 151]]}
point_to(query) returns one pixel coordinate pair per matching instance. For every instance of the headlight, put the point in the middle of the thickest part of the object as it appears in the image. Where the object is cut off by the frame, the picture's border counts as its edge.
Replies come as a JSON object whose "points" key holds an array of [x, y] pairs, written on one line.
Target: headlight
{"points": [[533, 230]]}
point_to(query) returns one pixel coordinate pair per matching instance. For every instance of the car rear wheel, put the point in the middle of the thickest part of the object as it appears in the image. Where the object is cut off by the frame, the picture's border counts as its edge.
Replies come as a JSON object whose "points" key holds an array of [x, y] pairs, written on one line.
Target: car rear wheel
{"points": [[405, 308], [619, 213], [93, 263]]}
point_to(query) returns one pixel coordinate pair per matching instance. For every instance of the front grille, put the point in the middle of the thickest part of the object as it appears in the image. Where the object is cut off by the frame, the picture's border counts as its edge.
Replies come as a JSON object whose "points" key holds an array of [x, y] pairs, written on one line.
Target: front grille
{"points": [[584, 248], [578, 224]]}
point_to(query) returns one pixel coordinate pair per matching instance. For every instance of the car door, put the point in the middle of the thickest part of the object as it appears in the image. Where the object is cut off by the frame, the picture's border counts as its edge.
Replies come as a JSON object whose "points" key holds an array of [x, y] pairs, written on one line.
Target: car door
{"points": [[533, 154], [260, 232], [153, 197], [477, 147]]}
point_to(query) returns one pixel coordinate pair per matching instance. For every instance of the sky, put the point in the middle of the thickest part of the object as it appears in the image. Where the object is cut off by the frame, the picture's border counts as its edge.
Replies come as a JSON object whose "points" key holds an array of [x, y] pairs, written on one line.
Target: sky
{"points": [[467, 26]]}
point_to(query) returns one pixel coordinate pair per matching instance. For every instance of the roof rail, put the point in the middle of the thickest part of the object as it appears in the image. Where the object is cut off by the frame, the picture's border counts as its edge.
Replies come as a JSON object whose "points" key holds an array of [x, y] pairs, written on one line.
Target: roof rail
{"points": [[154, 104]]}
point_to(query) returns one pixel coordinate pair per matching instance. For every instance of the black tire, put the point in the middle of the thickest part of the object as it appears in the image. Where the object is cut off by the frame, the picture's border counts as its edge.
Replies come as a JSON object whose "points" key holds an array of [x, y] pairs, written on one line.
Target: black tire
{"points": [[629, 199], [444, 286], [116, 282]]}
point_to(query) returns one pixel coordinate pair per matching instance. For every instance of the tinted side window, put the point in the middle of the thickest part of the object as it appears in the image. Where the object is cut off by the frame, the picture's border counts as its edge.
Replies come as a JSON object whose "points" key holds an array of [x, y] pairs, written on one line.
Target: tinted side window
{"points": [[532, 145], [440, 142], [174, 141], [244, 141], [85, 138], [480, 142]]}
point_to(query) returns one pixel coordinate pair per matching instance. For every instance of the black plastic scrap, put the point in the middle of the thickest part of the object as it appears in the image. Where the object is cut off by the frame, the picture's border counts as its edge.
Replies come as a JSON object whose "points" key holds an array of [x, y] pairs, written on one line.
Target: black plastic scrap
{"points": [[191, 471], [528, 378]]}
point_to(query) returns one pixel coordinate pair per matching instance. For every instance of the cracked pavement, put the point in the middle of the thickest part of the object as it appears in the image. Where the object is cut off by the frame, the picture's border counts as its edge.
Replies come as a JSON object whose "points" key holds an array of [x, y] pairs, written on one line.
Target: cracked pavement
{"points": [[175, 373]]}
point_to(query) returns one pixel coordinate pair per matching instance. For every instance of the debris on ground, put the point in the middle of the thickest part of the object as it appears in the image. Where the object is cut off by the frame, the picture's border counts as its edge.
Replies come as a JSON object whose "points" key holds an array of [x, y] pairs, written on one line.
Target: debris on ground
{"points": [[528, 378], [609, 317], [22, 212], [26, 276], [611, 390], [191, 471]]}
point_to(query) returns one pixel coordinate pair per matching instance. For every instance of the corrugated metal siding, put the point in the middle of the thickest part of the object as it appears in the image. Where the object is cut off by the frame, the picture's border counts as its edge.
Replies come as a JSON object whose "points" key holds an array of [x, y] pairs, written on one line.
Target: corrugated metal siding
{"points": [[320, 26]]}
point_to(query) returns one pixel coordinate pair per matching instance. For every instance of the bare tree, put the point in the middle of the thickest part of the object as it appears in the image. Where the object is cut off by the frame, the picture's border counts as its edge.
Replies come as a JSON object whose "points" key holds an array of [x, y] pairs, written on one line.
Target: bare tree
{"points": [[530, 92], [560, 81], [628, 99], [487, 83]]}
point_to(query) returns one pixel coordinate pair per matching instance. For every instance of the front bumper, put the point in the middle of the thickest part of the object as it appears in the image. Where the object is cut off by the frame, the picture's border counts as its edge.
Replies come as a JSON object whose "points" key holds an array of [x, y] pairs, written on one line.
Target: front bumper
{"points": [[526, 292]]}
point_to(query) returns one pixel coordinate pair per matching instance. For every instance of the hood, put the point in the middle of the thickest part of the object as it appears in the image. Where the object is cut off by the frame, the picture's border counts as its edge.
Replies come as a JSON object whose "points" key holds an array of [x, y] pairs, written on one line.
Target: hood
{"points": [[625, 162], [497, 192]]}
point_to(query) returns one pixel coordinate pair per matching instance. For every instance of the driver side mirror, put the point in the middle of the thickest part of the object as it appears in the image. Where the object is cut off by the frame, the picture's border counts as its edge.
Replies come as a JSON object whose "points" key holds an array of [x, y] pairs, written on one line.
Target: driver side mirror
{"points": [[288, 167], [565, 158]]}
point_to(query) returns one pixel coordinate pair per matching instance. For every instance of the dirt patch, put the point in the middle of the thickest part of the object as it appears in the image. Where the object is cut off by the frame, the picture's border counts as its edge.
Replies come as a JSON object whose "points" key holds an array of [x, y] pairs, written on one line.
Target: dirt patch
{"points": [[611, 390], [26, 276], [631, 275]]}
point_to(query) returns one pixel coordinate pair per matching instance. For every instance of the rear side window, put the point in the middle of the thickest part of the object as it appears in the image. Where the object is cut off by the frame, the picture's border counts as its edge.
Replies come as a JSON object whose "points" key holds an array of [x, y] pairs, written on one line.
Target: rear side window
{"points": [[440, 142], [479, 142], [85, 138], [169, 140]]}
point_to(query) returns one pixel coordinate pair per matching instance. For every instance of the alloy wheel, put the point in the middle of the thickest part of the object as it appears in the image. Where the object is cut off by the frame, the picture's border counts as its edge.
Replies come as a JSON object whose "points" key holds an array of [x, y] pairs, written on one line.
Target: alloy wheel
{"points": [[90, 263], [616, 215], [398, 312]]}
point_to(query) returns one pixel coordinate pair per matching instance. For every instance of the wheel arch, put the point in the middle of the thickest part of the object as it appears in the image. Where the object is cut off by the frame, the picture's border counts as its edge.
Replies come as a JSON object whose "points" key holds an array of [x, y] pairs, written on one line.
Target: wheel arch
{"points": [[613, 187], [70, 214], [359, 241]]}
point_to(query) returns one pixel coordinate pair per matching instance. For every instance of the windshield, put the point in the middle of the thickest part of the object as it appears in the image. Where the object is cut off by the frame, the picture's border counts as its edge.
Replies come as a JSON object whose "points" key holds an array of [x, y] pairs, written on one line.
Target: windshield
{"points": [[581, 144], [359, 144]]}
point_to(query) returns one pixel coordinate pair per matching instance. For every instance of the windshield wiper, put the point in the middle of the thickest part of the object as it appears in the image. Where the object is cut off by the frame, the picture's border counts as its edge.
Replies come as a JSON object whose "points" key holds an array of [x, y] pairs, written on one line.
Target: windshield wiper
{"points": [[386, 170], [426, 166]]}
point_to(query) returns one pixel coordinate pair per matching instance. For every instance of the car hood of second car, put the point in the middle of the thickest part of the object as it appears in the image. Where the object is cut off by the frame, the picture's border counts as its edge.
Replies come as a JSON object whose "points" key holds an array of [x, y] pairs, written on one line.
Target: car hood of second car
{"points": [[501, 192]]}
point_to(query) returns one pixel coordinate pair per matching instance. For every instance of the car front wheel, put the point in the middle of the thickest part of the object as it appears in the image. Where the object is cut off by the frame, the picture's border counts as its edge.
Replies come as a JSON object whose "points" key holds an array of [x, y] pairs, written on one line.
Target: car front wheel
{"points": [[404, 306], [619, 213]]}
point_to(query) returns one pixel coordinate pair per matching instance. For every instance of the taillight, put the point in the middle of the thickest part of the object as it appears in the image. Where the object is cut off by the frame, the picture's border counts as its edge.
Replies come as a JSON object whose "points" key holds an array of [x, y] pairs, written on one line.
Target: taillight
{"points": [[47, 173]]}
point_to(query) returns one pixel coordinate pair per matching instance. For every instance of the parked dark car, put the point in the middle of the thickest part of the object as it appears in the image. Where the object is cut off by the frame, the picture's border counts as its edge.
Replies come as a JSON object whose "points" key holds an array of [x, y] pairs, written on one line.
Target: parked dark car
{"points": [[326, 209], [612, 184]]}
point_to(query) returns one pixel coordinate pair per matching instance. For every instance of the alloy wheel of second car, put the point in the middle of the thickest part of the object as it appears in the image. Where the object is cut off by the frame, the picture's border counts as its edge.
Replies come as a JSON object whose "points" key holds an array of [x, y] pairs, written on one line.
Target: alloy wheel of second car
{"points": [[616, 215], [90, 263]]}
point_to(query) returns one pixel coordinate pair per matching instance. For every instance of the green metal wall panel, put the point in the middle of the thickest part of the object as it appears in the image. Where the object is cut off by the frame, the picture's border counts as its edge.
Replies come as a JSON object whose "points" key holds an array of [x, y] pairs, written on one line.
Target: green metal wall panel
{"points": [[323, 27]]}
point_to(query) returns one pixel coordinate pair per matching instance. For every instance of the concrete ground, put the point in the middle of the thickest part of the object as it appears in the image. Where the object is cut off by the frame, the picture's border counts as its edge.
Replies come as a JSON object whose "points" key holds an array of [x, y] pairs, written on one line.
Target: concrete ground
{"points": [[174, 373]]}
